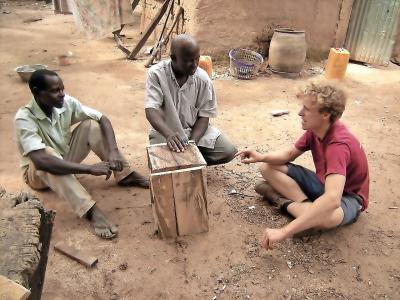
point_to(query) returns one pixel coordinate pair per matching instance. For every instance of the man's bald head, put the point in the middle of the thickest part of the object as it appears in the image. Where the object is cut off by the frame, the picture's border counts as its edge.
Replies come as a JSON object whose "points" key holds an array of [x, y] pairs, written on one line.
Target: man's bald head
{"points": [[183, 42], [185, 53]]}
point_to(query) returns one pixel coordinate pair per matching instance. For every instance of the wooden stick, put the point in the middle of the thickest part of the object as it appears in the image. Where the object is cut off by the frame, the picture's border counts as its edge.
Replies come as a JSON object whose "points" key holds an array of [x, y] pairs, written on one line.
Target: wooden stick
{"points": [[134, 4], [120, 45], [177, 26], [117, 37], [165, 41], [183, 22], [164, 26], [76, 254], [149, 30]]}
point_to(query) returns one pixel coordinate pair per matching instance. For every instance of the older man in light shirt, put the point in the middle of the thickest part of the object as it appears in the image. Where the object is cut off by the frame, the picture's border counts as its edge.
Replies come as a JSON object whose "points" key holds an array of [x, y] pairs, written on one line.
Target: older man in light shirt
{"points": [[179, 101], [51, 153]]}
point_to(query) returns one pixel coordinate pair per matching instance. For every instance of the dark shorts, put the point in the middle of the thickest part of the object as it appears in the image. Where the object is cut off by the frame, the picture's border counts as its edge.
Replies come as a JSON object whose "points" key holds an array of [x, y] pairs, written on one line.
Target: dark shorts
{"points": [[313, 188]]}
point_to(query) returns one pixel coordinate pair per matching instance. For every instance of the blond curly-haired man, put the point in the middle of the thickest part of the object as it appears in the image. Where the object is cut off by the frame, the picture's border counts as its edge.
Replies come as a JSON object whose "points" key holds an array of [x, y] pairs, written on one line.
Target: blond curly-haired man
{"points": [[337, 191]]}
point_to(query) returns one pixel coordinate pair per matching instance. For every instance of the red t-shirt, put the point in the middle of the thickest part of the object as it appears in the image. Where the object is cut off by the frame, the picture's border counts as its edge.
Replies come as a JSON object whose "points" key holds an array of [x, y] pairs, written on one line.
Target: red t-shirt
{"points": [[339, 153]]}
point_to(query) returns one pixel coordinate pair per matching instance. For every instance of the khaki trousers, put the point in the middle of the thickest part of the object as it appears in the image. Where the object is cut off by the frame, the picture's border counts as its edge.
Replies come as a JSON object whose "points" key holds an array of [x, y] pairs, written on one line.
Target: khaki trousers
{"points": [[86, 136]]}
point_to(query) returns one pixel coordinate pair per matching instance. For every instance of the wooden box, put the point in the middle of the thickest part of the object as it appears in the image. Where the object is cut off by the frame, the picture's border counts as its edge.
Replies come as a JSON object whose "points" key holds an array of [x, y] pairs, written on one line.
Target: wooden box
{"points": [[178, 187]]}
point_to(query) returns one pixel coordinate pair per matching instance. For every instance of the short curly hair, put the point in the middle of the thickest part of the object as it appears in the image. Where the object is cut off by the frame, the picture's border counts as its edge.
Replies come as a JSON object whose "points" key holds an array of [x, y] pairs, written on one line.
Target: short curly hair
{"points": [[328, 96], [38, 79]]}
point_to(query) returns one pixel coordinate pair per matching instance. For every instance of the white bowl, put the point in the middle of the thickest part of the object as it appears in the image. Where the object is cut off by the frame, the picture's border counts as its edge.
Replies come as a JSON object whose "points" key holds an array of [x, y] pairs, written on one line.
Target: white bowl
{"points": [[25, 71]]}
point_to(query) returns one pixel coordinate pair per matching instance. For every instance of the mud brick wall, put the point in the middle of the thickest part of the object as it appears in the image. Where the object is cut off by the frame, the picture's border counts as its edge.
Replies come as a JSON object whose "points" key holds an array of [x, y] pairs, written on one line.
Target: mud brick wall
{"points": [[396, 50], [220, 25]]}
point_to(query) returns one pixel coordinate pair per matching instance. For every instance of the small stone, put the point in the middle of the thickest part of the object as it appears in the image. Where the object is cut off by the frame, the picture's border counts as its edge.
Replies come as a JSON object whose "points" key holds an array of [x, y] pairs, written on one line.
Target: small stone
{"points": [[289, 264], [123, 266], [114, 296], [279, 112], [233, 192]]}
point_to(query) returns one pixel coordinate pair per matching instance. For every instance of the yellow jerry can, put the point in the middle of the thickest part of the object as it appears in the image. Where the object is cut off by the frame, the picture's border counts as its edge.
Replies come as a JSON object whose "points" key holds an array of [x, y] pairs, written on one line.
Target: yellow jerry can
{"points": [[336, 66], [205, 63]]}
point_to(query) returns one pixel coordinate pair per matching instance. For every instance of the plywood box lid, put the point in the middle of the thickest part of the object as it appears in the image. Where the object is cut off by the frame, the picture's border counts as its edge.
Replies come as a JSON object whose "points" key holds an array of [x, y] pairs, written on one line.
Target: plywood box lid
{"points": [[162, 159]]}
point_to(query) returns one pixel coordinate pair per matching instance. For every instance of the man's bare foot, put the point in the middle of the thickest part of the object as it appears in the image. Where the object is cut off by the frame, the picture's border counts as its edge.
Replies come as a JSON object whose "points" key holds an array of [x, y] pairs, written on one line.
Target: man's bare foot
{"points": [[135, 179], [102, 227], [264, 189]]}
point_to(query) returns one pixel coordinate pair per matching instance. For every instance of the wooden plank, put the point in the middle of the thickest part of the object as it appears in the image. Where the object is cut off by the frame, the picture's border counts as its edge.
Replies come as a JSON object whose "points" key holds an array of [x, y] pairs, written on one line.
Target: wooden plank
{"points": [[162, 159], [153, 210], [158, 157], [190, 194], [78, 255], [163, 204], [192, 157], [10, 290], [149, 29]]}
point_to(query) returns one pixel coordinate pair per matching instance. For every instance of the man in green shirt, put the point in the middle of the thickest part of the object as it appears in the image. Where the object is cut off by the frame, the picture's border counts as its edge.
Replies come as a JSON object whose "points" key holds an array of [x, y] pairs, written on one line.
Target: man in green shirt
{"points": [[51, 153]]}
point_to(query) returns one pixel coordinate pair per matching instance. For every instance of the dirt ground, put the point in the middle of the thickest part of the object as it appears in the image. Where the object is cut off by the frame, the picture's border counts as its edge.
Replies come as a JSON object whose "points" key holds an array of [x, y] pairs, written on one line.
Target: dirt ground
{"points": [[361, 261]]}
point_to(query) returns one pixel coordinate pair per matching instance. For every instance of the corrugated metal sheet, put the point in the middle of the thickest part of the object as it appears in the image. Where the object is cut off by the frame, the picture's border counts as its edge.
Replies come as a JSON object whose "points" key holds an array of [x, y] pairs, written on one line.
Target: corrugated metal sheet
{"points": [[372, 30]]}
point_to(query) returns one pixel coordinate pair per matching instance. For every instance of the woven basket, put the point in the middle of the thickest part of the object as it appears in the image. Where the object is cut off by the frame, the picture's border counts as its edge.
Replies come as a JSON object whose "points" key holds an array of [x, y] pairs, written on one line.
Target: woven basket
{"points": [[244, 63]]}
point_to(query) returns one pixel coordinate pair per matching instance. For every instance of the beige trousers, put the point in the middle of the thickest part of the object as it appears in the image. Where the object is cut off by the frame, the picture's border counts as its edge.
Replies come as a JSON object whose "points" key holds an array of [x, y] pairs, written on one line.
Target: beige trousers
{"points": [[85, 137]]}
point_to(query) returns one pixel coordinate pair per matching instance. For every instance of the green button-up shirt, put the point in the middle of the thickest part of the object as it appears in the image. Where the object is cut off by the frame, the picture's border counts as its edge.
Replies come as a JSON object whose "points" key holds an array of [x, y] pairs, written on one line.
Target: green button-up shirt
{"points": [[36, 131]]}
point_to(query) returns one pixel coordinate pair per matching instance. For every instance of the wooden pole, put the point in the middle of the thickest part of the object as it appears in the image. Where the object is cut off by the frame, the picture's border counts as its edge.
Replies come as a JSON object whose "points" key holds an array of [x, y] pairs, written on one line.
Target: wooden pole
{"points": [[134, 4], [149, 30], [165, 41]]}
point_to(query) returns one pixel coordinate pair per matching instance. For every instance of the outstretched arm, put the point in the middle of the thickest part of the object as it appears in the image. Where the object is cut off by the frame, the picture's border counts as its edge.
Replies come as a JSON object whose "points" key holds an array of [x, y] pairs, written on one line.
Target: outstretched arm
{"points": [[275, 158]]}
